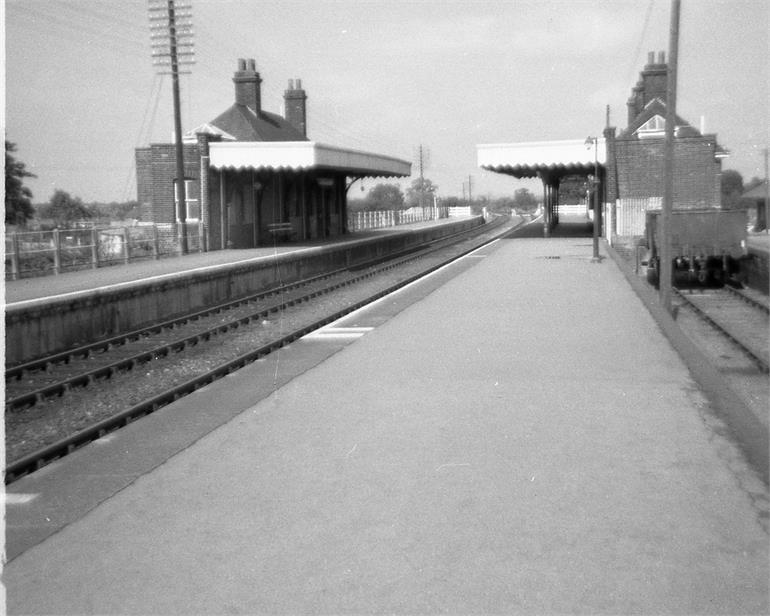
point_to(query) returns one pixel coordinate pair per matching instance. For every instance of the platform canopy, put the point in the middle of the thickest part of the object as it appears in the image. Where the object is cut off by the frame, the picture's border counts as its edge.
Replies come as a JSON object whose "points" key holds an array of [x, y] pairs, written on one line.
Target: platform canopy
{"points": [[535, 158], [304, 156]]}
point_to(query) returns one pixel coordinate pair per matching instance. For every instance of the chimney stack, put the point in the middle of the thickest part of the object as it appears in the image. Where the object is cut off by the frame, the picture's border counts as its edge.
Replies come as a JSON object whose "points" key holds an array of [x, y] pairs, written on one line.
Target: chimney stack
{"points": [[295, 106], [652, 84], [247, 82]]}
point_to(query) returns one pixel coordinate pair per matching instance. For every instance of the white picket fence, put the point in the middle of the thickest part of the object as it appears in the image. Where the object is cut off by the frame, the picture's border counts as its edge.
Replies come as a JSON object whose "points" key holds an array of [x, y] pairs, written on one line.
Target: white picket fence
{"points": [[573, 209], [630, 215], [360, 221]]}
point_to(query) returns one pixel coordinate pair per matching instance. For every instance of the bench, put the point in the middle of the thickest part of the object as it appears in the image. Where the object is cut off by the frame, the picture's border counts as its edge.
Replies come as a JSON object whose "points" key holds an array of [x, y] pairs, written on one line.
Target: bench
{"points": [[280, 229]]}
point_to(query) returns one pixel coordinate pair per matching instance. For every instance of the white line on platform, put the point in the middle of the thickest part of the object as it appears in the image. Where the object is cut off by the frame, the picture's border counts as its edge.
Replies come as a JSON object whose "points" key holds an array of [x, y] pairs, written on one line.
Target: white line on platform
{"points": [[339, 332], [13, 498]]}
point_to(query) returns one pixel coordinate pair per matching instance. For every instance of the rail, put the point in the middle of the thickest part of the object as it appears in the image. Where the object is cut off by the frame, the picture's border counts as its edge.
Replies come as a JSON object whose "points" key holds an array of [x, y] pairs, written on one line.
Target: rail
{"points": [[35, 460]]}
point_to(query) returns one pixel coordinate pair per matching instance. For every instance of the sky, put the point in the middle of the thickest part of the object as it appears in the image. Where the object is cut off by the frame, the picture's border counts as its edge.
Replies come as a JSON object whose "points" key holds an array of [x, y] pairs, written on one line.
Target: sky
{"points": [[383, 76]]}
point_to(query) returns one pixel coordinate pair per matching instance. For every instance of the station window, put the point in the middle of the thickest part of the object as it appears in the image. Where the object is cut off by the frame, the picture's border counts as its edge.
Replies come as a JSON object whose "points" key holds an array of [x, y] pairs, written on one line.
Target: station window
{"points": [[193, 209]]}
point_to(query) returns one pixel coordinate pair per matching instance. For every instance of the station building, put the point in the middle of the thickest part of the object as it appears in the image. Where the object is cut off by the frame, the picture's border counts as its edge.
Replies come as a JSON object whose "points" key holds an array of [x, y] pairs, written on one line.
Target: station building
{"points": [[252, 176], [627, 165]]}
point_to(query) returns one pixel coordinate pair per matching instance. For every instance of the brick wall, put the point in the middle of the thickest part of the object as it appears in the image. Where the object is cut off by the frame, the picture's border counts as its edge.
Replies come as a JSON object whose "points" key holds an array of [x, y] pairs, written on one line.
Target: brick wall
{"points": [[155, 174], [639, 169], [144, 182]]}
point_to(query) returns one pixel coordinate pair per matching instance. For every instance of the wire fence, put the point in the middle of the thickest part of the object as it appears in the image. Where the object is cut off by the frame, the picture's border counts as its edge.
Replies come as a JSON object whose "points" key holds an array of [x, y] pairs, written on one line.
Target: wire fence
{"points": [[41, 253]]}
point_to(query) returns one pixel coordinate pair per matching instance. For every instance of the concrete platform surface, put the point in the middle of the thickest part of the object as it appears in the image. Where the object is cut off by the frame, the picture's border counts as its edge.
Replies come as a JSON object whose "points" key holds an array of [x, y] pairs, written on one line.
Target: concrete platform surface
{"points": [[523, 439]]}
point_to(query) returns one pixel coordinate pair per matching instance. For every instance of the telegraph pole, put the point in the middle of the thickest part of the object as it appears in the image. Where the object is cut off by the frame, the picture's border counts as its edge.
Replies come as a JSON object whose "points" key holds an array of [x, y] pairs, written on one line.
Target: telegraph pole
{"points": [[423, 156], [668, 177], [171, 46], [767, 199]]}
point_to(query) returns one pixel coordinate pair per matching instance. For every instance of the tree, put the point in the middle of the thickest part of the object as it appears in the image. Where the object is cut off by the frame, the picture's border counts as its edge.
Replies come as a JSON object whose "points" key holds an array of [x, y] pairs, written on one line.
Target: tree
{"points": [[524, 200], [752, 183], [18, 198], [64, 209], [420, 193], [385, 197], [115, 210], [573, 189], [731, 188]]}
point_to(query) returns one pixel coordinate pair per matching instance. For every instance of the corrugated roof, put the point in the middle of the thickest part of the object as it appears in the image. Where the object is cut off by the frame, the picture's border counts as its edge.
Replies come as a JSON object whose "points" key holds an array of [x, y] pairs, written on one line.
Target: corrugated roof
{"points": [[304, 155], [527, 159]]}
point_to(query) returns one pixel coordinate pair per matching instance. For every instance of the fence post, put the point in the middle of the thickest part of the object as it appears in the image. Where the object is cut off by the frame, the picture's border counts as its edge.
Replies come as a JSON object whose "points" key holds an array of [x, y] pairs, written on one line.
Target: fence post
{"points": [[155, 242], [178, 237], [94, 248], [56, 252], [15, 270], [126, 247]]}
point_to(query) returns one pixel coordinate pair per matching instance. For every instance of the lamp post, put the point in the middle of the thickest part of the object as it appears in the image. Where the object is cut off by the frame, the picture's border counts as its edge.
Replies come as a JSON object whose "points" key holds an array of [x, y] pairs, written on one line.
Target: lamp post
{"points": [[594, 141]]}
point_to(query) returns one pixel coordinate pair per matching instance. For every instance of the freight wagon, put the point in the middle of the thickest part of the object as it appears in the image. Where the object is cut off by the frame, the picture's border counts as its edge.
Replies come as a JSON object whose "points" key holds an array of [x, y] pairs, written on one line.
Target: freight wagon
{"points": [[707, 247]]}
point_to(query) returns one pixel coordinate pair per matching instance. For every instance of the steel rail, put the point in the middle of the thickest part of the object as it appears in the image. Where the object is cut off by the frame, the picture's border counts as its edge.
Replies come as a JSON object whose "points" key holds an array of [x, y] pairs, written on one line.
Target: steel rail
{"points": [[83, 379], [40, 458], [703, 314], [17, 371], [763, 307]]}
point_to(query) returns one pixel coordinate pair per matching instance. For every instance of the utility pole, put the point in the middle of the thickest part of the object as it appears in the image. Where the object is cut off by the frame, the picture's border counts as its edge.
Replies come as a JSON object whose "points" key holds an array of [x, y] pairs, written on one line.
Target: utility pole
{"points": [[423, 156], [668, 177], [470, 194], [172, 49], [594, 191], [763, 223]]}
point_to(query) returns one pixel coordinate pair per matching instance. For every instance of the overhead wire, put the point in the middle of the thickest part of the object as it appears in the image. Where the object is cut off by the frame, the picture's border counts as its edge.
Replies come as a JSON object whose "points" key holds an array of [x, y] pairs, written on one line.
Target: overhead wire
{"points": [[73, 30], [145, 128], [645, 25]]}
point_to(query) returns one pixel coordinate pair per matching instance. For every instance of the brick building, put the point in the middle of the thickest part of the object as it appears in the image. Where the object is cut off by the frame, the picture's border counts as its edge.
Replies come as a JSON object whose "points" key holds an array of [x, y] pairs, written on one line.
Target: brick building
{"points": [[629, 165], [252, 176], [635, 157]]}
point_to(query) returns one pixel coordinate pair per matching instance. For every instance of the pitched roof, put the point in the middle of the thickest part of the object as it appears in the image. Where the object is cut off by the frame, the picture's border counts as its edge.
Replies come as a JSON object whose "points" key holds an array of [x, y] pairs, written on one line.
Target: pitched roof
{"points": [[656, 107], [758, 192], [244, 124]]}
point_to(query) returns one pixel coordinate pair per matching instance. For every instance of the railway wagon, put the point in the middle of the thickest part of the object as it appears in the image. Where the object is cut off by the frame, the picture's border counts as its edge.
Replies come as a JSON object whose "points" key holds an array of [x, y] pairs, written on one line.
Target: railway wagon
{"points": [[707, 246]]}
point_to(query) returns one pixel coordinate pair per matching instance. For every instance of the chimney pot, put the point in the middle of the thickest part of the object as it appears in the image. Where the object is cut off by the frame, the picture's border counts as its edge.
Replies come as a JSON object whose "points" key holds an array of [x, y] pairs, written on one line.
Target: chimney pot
{"points": [[651, 57], [247, 80], [295, 106], [661, 57]]}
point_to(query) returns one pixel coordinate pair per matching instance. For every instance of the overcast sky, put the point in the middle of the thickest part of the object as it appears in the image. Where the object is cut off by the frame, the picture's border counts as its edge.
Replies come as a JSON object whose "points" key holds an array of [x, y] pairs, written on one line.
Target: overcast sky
{"points": [[381, 76]]}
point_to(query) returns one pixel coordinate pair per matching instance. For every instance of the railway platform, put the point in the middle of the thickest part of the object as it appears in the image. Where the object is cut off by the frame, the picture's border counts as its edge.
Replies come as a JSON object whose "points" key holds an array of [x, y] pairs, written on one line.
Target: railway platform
{"points": [[26, 289], [512, 435]]}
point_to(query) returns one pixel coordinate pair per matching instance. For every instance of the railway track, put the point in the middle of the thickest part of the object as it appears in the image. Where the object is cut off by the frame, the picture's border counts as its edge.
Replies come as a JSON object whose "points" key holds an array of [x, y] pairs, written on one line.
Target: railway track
{"points": [[222, 332], [737, 315]]}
